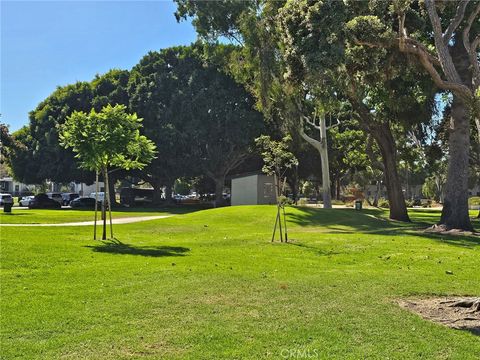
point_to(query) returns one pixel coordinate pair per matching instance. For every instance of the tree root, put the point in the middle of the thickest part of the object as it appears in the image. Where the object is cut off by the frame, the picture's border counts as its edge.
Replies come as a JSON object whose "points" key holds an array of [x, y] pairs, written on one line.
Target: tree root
{"points": [[472, 304]]}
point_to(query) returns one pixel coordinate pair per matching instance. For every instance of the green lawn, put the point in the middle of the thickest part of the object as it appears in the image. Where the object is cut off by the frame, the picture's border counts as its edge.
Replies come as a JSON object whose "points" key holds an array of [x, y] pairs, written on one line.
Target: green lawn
{"points": [[211, 285], [39, 216]]}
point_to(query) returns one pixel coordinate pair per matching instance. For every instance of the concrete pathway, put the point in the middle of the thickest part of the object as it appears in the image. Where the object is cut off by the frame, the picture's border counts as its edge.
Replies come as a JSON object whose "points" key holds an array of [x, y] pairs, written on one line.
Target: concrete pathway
{"points": [[127, 220]]}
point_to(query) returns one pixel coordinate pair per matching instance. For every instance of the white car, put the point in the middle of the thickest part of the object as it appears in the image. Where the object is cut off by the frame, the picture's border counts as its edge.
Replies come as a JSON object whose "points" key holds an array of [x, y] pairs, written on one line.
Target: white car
{"points": [[101, 195], [24, 201]]}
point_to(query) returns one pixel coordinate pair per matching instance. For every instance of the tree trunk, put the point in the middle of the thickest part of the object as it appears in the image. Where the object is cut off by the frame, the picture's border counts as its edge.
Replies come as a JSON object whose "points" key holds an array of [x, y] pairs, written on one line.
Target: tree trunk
{"points": [[323, 150], [337, 193], [168, 192], [112, 179], [104, 208], [219, 184], [386, 143], [455, 207], [377, 194], [157, 192]]}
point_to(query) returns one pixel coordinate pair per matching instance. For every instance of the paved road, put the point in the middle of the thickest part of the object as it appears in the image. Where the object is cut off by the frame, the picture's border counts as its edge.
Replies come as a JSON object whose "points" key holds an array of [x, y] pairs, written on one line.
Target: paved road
{"points": [[127, 220]]}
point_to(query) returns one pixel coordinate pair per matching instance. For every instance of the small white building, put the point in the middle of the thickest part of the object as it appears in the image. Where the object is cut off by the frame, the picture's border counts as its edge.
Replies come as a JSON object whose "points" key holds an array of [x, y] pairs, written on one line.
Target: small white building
{"points": [[253, 189]]}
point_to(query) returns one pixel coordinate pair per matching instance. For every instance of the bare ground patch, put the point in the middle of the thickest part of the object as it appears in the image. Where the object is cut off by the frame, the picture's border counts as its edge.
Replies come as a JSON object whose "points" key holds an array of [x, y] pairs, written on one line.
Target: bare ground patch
{"points": [[443, 230], [457, 312]]}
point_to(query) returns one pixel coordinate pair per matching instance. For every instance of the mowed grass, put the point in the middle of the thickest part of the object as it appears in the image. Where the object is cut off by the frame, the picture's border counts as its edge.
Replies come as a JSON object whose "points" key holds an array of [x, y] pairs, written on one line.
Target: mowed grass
{"points": [[211, 285], [65, 215]]}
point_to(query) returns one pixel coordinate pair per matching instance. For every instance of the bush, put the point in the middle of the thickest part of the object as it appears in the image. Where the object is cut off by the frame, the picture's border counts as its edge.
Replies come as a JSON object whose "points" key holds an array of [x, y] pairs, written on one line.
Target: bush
{"points": [[383, 203], [302, 202], [427, 204], [337, 202], [285, 200], [409, 203]]}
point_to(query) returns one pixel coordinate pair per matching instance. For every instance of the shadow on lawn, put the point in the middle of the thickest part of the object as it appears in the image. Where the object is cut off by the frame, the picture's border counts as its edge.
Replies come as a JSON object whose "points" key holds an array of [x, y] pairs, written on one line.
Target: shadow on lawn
{"points": [[117, 247], [344, 219], [13, 213], [371, 221], [172, 209]]}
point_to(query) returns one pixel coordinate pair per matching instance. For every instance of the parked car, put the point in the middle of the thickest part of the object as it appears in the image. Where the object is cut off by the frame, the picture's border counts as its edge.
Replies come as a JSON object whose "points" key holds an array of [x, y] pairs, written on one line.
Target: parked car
{"points": [[101, 195], [83, 203], [68, 197], [133, 196], [24, 201], [56, 196], [42, 201], [6, 198]]}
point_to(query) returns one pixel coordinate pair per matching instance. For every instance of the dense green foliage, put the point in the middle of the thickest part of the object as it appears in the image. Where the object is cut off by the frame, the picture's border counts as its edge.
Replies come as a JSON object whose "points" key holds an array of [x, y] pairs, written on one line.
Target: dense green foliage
{"points": [[201, 120], [105, 139]]}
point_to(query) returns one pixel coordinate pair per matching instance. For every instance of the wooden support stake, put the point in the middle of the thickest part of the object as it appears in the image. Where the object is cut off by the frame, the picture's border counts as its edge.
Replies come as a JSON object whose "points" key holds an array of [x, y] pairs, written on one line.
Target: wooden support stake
{"points": [[104, 215], [275, 227], [96, 207], [107, 184]]}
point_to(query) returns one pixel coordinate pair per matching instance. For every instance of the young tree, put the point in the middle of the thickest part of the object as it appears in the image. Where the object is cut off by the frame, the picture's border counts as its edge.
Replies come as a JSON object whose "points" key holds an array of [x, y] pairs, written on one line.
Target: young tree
{"points": [[277, 160], [106, 139]]}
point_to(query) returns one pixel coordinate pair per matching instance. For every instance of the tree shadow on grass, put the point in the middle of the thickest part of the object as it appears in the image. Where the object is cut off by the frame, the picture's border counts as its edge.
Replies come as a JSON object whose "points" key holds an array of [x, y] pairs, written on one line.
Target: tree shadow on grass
{"points": [[344, 220], [118, 248], [316, 250], [13, 213], [371, 221], [467, 241]]}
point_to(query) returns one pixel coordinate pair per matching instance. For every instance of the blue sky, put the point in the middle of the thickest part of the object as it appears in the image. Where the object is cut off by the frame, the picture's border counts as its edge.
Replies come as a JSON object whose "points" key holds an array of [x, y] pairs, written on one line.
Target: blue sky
{"points": [[45, 44]]}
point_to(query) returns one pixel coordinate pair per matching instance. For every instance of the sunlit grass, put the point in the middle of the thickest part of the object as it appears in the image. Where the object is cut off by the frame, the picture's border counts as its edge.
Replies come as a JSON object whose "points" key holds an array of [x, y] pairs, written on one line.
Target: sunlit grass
{"points": [[210, 285]]}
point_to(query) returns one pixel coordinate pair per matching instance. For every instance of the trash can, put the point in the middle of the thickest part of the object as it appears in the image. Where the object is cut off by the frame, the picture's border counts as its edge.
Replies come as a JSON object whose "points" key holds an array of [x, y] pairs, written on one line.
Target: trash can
{"points": [[358, 205], [7, 207]]}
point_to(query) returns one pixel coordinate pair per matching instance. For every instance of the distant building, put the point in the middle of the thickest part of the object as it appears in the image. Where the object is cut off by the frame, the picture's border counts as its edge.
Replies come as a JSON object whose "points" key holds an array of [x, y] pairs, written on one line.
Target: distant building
{"points": [[85, 190], [253, 189], [11, 186], [15, 188]]}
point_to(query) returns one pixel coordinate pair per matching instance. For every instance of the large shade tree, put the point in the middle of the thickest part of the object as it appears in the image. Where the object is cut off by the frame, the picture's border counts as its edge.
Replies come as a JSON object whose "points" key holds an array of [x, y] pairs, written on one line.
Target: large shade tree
{"points": [[45, 158], [201, 120], [155, 90], [41, 157], [443, 38], [258, 65], [222, 123], [382, 89]]}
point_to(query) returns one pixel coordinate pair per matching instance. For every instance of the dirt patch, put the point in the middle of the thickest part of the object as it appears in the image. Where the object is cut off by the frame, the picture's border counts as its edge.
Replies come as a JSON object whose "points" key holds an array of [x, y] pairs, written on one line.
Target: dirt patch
{"points": [[454, 311], [443, 230]]}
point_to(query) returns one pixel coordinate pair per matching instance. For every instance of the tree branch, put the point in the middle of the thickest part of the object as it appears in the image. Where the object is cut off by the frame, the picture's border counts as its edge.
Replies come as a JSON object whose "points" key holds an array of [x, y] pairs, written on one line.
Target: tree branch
{"points": [[315, 143], [311, 123], [468, 26], [334, 125], [442, 49], [472, 48], [408, 45], [459, 15]]}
